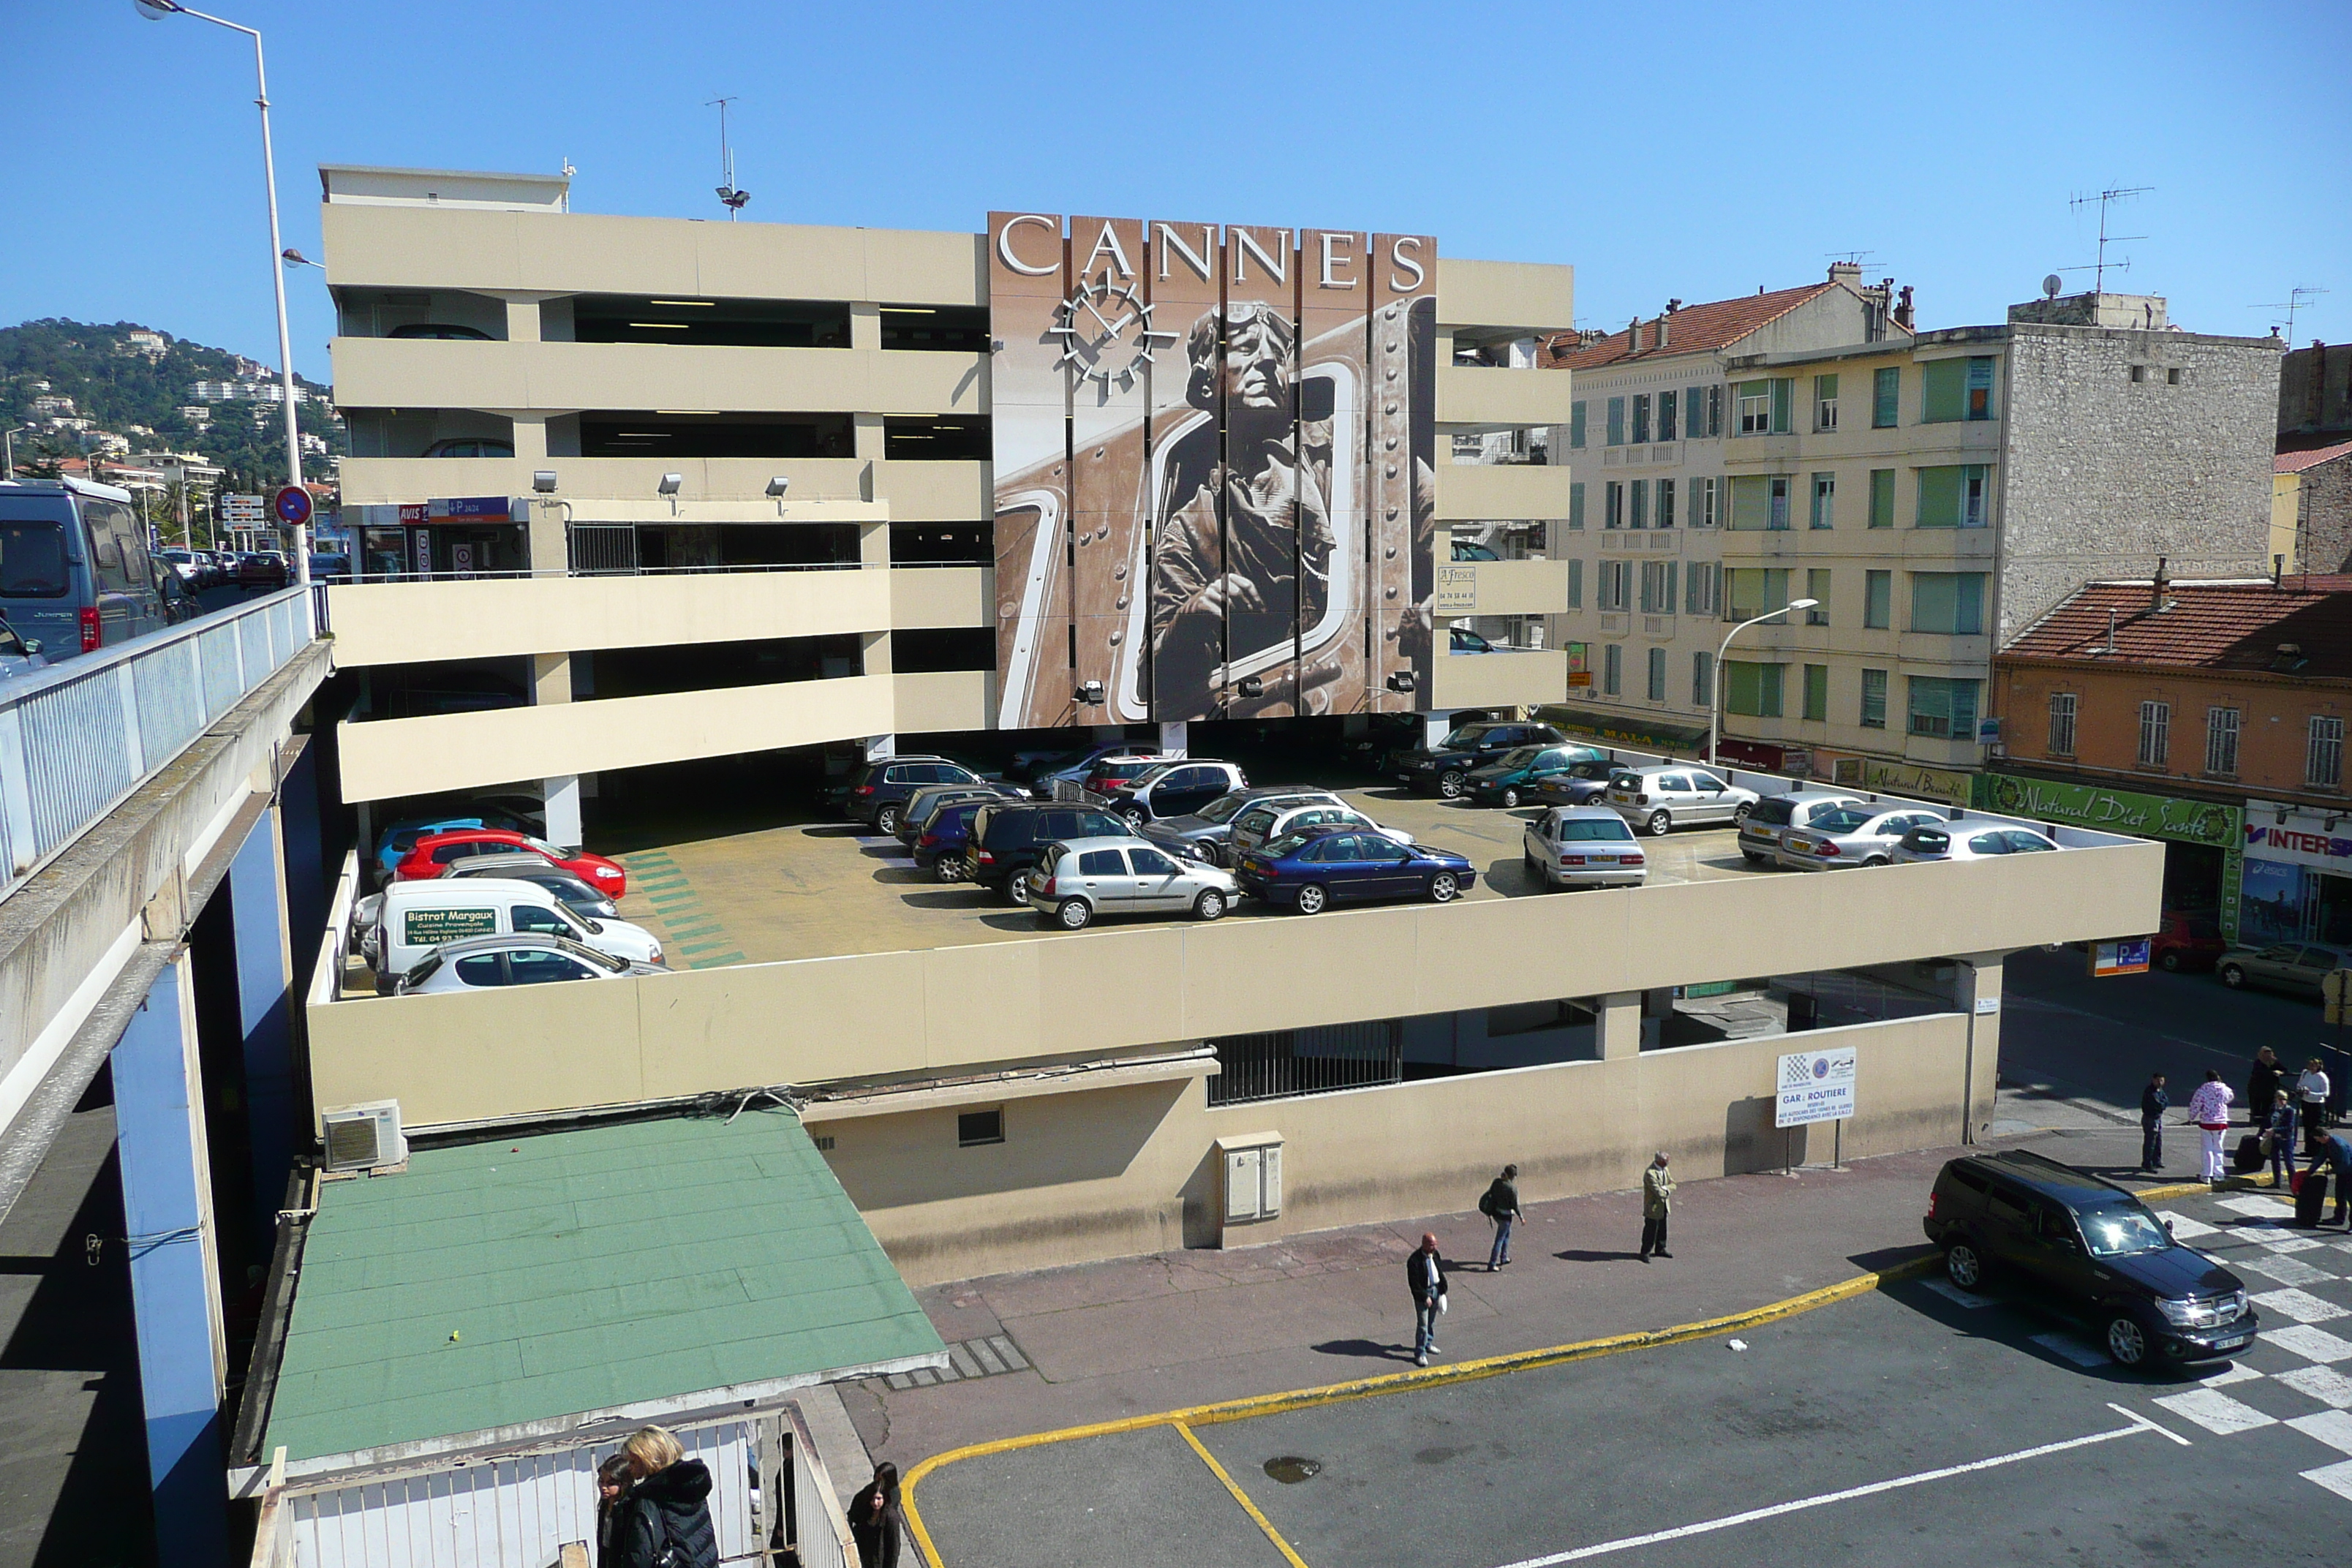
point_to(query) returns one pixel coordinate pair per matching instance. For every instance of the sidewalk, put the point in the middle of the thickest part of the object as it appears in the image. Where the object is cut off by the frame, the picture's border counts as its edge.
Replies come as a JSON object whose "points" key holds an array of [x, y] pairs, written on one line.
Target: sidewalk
{"points": [[1133, 1336]]}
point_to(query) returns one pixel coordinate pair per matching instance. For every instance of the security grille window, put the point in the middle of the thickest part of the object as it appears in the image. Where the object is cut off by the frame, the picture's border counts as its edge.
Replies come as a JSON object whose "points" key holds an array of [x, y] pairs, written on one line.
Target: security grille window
{"points": [[1882, 498], [1640, 418], [1576, 425], [1941, 709], [2323, 756], [1886, 396], [1824, 501], [1826, 402], [1665, 495], [1817, 691], [1639, 517], [2155, 733], [2221, 741], [1949, 603], [1612, 668], [1612, 504], [974, 1128], [2062, 723], [1576, 504], [1817, 588], [1702, 683], [1575, 583], [1877, 600], [1666, 415], [1616, 421], [1873, 700], [1292, 1062], [1657, 675]]}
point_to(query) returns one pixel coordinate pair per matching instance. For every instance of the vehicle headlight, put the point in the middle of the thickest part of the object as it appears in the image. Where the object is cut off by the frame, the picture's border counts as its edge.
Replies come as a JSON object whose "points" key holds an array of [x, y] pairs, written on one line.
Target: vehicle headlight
{"points": [[2207, 1314]]}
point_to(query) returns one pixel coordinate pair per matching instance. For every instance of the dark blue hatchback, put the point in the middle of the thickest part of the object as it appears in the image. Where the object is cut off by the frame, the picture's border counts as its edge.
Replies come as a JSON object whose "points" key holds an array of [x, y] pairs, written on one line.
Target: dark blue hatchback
{"points": [[946, 839], [1318, 867]]}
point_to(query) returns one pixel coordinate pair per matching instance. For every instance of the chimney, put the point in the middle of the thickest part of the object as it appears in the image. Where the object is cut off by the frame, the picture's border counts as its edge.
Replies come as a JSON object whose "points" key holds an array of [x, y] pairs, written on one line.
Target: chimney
{"points": [[1903, 309], [1665, 324], [2278, 568], [1634, 337], [1846, 272], [1674, 305], [2163, 588]]}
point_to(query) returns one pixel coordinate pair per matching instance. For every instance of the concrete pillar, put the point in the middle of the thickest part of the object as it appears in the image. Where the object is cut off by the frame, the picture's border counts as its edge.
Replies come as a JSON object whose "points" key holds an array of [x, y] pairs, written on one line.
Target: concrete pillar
{"points": [[1620, 1025], [868, 429], [551, 677], [530, 437], [873, 544], [1173, 738], [522, 324], [175, 1295], [548, 538], [264, 979], [864, 325], [1978, 992], [874, 648], [550, 681]]}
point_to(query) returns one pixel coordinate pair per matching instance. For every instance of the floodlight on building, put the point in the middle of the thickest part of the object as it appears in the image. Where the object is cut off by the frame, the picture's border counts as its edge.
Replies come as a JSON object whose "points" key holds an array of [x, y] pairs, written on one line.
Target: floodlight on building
{"points": [[670, 484], [778, 486], [543, 481]]}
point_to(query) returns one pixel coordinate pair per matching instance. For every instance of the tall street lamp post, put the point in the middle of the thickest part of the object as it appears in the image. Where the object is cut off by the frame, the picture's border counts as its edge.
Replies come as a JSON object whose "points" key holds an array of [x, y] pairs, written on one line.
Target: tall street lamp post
{"points": [[1715, 715]]}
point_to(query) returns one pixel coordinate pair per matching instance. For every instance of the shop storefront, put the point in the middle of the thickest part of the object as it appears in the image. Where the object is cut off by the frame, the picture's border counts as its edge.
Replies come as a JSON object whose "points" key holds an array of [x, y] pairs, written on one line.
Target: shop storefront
{"points": [[1948, 785], [1625, 730], [2200, 837], [2297, 883]]}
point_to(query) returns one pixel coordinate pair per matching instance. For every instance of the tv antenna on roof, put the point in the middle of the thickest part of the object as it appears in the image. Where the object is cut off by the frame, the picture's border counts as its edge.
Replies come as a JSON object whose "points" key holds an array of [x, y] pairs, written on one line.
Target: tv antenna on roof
{"points": [[2293, 302], [1850, 257], [2106, 199], [729, 196]]}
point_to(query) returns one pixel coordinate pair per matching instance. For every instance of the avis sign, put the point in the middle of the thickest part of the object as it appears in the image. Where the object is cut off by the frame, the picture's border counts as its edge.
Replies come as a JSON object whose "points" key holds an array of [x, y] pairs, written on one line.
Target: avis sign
{"points": [[1815, 1086]]}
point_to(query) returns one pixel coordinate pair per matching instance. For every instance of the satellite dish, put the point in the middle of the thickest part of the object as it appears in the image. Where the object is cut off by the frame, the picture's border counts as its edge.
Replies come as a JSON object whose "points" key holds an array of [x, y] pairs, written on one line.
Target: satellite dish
{"points": [[2049, 287]]}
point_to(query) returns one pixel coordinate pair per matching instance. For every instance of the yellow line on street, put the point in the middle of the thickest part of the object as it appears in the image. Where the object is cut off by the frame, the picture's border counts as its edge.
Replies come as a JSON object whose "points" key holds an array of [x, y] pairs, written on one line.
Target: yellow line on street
{"points": [[1240, 1496], [1401, 1381]]}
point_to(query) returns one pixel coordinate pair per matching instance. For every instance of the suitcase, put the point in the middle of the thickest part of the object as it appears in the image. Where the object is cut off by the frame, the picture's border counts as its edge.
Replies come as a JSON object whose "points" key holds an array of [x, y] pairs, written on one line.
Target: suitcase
{"points": [[2249, 1154], [2310, 1197]]}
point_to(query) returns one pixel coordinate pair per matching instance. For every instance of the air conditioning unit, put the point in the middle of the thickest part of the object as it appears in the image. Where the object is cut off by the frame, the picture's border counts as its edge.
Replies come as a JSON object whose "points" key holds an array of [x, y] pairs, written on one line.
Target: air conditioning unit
{"points": [[365, 1137]]}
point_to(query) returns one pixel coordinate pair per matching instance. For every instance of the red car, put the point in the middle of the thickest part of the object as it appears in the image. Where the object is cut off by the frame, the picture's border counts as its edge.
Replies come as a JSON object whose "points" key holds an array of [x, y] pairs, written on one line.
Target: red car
{"points": [[435, 852], [2186, 941]]}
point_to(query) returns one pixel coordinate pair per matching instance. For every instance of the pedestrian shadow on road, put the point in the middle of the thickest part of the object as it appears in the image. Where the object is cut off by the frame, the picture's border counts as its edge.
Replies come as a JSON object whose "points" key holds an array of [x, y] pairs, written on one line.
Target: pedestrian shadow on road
{"points": [[1370, 1348], [1586, 1254]]}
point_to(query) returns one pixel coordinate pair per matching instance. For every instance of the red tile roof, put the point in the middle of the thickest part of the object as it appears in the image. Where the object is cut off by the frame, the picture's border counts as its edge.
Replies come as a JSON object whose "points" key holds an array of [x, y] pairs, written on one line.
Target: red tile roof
{"points": [[1715, 324], [2295, 462], [2208, 626]]}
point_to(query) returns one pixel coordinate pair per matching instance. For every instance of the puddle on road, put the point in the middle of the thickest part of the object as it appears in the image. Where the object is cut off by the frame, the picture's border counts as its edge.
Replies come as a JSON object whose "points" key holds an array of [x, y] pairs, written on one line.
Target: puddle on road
{"points": [[1290, 1470]]}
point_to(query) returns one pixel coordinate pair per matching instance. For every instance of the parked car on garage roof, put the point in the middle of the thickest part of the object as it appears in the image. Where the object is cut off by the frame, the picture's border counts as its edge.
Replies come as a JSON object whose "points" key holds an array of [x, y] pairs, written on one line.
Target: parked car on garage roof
{"points": [[1207, 834], [879, 792], [2294, 966], [1005, 837], [944, 847], [1675, 795], [1075, 881], [1510, 779], [1042, 770], [571, 889], [1444, 769], [1268, 820], [1580, 783], [435, 853], [409, 919], [1314, 869], [483, 963], [917, 813], [1584, 847], [1845, 835], [1175, 788], [1105, 774], [1760, 829], [1967, 841]]}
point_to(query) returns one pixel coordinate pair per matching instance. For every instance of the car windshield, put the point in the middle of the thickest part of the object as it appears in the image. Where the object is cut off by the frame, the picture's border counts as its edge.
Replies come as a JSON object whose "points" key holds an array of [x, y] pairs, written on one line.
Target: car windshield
{"points": [[2125, 1228], [1520, 756], [1151, 773], [1288, 843], [1627, 781], [1587, 827], [1837, 821], [1774, 813], [544, 848], [1222, 808], [1465, 737], [1591, 769]]}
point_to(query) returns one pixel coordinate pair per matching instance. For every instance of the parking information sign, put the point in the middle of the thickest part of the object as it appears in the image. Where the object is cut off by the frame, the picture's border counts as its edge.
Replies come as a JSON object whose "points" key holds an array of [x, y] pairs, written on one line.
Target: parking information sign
{"points": [[1815, 1086], [2129, 956], [241, 510]]}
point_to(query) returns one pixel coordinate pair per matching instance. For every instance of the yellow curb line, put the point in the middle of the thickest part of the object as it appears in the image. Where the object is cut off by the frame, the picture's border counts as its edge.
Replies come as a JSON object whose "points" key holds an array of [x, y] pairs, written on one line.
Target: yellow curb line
{"points": [[1240, 1496], [1399, 1381]]}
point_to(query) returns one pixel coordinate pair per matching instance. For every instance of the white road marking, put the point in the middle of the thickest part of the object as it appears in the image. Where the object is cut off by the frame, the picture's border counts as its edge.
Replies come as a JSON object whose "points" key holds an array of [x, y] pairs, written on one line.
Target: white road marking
{"points": [[2332, 1427], [2131, 1415], [2138, 1424], [2183, 1227], [1952, 1292], [2312, 1344], [2285, 1270], [2336, 1478], [2238, 1371], [2076, 1350], [2217, 1413], [2301, 1305], [2261, 1207], [2324, 1384], [2281, 1241]]}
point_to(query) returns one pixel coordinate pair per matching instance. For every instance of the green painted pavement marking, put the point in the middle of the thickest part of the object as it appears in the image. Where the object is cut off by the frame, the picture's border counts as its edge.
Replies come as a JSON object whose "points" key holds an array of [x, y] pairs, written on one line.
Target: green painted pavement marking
{"points": [[652, 885], [700, 946], [683, 933], [681, 896], [714, 963]]}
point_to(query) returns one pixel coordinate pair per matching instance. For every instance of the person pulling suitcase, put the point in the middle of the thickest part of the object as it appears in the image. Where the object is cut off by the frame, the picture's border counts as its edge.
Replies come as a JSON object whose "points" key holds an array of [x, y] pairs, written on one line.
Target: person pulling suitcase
{"points": [[2332, 1156]]}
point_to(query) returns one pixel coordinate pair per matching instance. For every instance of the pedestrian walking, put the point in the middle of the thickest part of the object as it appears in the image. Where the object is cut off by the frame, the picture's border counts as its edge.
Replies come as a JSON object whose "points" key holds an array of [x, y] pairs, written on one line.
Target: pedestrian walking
{"points": [[874, 1517], [613, 1479], [1425, 1272], [2209, 1109], [2262, 1081], [2311, 1092], [1500, 1204], [2334, 1153], [663, 1521], [2278, 1137], [2153, 1103], [1657, 1202]]}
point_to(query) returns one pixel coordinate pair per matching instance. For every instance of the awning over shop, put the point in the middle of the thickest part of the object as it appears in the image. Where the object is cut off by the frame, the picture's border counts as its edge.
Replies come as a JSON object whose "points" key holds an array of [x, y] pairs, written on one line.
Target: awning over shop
{"points": [[1626, 729]]}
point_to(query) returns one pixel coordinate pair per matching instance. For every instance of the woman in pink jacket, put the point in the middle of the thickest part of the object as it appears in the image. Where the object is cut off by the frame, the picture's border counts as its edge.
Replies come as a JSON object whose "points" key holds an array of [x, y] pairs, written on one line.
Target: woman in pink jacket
{"points": [[2209, 1109]]}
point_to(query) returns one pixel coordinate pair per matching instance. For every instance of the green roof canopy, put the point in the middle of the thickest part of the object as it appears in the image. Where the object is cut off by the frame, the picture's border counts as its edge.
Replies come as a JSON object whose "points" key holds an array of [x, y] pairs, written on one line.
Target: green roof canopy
{"points": [[504, 1286]]}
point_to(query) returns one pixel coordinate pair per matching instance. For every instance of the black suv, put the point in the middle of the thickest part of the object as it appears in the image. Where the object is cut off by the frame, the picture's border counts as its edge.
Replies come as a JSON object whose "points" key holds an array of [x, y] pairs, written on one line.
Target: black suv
{"points": [[1005, 839], [879, 790], [1446, 767], [2089, 1248]]}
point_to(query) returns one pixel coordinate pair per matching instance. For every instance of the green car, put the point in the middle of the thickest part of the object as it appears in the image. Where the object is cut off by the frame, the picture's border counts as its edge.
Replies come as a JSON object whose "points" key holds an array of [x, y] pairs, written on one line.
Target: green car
{"points": [[1512, 777]]}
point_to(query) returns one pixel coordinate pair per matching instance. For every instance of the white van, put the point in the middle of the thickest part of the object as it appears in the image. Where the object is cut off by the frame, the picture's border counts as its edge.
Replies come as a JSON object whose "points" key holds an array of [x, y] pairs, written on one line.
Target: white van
{"points": [[412, 919]]}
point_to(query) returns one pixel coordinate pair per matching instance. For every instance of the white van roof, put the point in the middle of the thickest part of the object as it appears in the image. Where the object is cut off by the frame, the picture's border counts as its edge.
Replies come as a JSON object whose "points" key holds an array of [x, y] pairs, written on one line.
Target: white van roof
{"points": [[463, 889]]}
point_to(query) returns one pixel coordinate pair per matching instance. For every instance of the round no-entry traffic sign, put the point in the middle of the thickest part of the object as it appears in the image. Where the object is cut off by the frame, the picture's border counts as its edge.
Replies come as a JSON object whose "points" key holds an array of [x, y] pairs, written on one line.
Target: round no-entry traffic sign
{"points": [[292, 505]]}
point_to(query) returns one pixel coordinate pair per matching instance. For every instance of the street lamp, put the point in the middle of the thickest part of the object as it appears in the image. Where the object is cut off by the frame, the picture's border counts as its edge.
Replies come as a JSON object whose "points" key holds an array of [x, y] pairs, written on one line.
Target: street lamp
{"points": [[1714, 706], [155, 11]]}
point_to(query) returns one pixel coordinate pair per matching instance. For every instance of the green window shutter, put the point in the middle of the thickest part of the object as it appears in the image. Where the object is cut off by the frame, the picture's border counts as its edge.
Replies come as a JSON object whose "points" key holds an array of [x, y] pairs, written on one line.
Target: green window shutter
{"points": [[1575, 583], [1817, 588], [1943, 387], [1951, 603], [1576, 425], [1939, 498], [1968, 604], [1576, 500], [1817, 691], [1640, 517], [1882, 498], [1774, 677], [1751, 502], [1616, 421], [1743, 687], [1783, 393], [1886, 396], [1776, 589], [1878, 600]]}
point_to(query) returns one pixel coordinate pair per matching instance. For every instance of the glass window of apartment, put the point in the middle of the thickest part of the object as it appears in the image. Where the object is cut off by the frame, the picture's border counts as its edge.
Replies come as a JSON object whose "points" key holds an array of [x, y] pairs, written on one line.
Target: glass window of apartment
{"points": [[2062, 707], [1612, 504], [1886, 396], [1817, 691], [1615, 578], [1665, 494], [1705, 500], [1702, 682], [1776, 519], [1951, 602], [2155, 733], [1952, 390], [1824, 501], [1715, 409], [1616, 421], [1752, 591], [1877, 600], [1575, 583], [1825, 401], [2222, 741], [1817, 588], [1882, 498], [1942, 709], [1640, 418], [1657, 675], [1873, 700], [1666, 406], [1701, 583], [2323, 752], [1953, 496], [1576, 503], [1752, 689], [1658, 587], [1755, 407], [1612, 668], [1638, 516], [1979, 405], [1576, 425]]}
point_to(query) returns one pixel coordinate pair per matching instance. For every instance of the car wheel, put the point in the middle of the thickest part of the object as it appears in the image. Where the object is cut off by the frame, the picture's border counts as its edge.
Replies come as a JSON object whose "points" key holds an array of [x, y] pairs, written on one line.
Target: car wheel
{"points": [[1073, 915], [1963, 1266], [1449, 784], [1877, 860], [1311, 900], [949, 868], [2171, 961], [2232, 976], [2127, 1341], [1739, 813], [1011, 889], [1659, 823], [1210, 905], [1134, 818], [1444, 888], [887, 820], [1510, 799]]}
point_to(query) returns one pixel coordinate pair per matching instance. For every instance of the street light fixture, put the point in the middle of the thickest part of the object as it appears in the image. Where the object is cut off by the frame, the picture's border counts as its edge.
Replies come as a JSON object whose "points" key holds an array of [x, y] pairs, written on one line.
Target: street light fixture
{"points": [[155, 11], [1714, 706]]}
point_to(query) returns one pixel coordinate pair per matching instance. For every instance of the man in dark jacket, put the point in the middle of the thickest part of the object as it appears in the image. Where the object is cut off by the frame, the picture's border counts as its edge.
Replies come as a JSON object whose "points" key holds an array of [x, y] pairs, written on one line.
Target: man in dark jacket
{"points": [[2153, 1101], [1501, 1205], [2262, 1083], [1426, 1274], [2334, 1152], [663, 1522]]}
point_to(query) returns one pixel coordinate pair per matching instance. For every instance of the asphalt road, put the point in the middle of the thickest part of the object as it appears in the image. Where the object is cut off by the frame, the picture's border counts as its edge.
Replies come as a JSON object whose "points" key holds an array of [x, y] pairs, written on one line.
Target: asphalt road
{"points": [[1914, 1425]]}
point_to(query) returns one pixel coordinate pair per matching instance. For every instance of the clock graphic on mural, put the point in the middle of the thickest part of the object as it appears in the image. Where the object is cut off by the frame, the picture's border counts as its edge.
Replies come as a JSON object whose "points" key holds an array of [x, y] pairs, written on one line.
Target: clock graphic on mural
{"points": [[1107, 333]]}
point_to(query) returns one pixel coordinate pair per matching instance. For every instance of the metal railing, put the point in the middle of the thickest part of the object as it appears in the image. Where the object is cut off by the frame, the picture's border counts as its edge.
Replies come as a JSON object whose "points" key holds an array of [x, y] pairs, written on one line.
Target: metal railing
{"points": [[78, 738], [405, 574]]}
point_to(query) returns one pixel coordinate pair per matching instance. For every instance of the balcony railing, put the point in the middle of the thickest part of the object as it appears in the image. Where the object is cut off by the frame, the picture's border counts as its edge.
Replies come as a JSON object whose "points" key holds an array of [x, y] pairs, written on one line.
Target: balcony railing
{"points": [[78, 738]]}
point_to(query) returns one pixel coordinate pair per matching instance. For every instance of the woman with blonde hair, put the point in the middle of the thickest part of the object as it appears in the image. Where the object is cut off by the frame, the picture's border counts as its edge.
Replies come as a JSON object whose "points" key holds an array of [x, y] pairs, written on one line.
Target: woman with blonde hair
{"points": [[663, 1521]]}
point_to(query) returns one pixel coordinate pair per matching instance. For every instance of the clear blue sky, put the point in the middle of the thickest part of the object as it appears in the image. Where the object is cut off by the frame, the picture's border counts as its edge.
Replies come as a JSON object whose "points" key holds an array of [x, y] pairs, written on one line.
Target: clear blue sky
{"points": [[1689, 151]]}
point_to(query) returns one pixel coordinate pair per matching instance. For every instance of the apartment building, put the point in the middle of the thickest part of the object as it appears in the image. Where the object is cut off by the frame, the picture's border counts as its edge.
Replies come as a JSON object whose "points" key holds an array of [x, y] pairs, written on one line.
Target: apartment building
{"points": [[1647, 435], [1937, 494]]}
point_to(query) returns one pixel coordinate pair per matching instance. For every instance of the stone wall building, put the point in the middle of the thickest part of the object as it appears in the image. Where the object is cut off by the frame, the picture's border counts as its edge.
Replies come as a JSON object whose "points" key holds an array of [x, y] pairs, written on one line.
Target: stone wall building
{"points": [[2311, 508], [2315, 405]]}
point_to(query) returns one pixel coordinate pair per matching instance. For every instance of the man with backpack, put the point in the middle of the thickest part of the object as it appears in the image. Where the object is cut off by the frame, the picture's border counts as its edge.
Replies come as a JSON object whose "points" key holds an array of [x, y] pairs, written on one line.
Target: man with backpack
{"points": [[1500, 1205]]}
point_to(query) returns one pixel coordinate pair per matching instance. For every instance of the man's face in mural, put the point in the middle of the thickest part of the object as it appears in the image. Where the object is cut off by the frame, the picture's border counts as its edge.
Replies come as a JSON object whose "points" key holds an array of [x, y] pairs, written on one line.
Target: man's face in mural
{"points": [[1255, 373]]}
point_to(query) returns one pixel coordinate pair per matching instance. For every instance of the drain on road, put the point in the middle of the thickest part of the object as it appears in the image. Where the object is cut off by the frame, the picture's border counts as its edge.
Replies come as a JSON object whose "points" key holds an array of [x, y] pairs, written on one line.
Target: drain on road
{"points": [[1290, 1470]]}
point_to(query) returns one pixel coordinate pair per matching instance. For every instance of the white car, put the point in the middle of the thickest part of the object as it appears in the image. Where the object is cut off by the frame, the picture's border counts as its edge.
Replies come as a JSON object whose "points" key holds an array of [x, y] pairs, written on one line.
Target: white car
{"points": [[1957, 841], [1074, 882], [1264, 822], [1657, 799], [486, 963], [1850, 835], [1584, 847]]}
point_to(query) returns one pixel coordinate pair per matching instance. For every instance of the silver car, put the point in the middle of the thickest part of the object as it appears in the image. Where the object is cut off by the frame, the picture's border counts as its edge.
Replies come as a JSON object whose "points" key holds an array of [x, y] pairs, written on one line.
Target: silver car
{"points": [[1760, 829], [1074, 881], [1584, 847], [1847, 836], [1268, 820], [1207, 834], [1656, 799], [479, 963], [1955, 841]]}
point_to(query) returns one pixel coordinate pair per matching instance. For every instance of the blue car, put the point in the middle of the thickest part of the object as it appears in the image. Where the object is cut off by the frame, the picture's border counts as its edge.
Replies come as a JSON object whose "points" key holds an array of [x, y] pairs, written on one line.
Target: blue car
{"points": [[1318, 867], [946, 839]]}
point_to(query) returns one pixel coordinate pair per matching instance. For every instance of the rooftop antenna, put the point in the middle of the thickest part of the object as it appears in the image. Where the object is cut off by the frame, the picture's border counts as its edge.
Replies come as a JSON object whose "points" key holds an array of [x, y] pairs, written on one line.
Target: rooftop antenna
{"points": [[1850, 257], [729, 196], [2106, 199], [2293, 302]]}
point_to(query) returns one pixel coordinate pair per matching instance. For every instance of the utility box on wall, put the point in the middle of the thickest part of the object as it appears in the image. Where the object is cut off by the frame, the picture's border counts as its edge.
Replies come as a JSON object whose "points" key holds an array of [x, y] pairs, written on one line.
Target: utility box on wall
{"points": [[1251, 1163]]}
